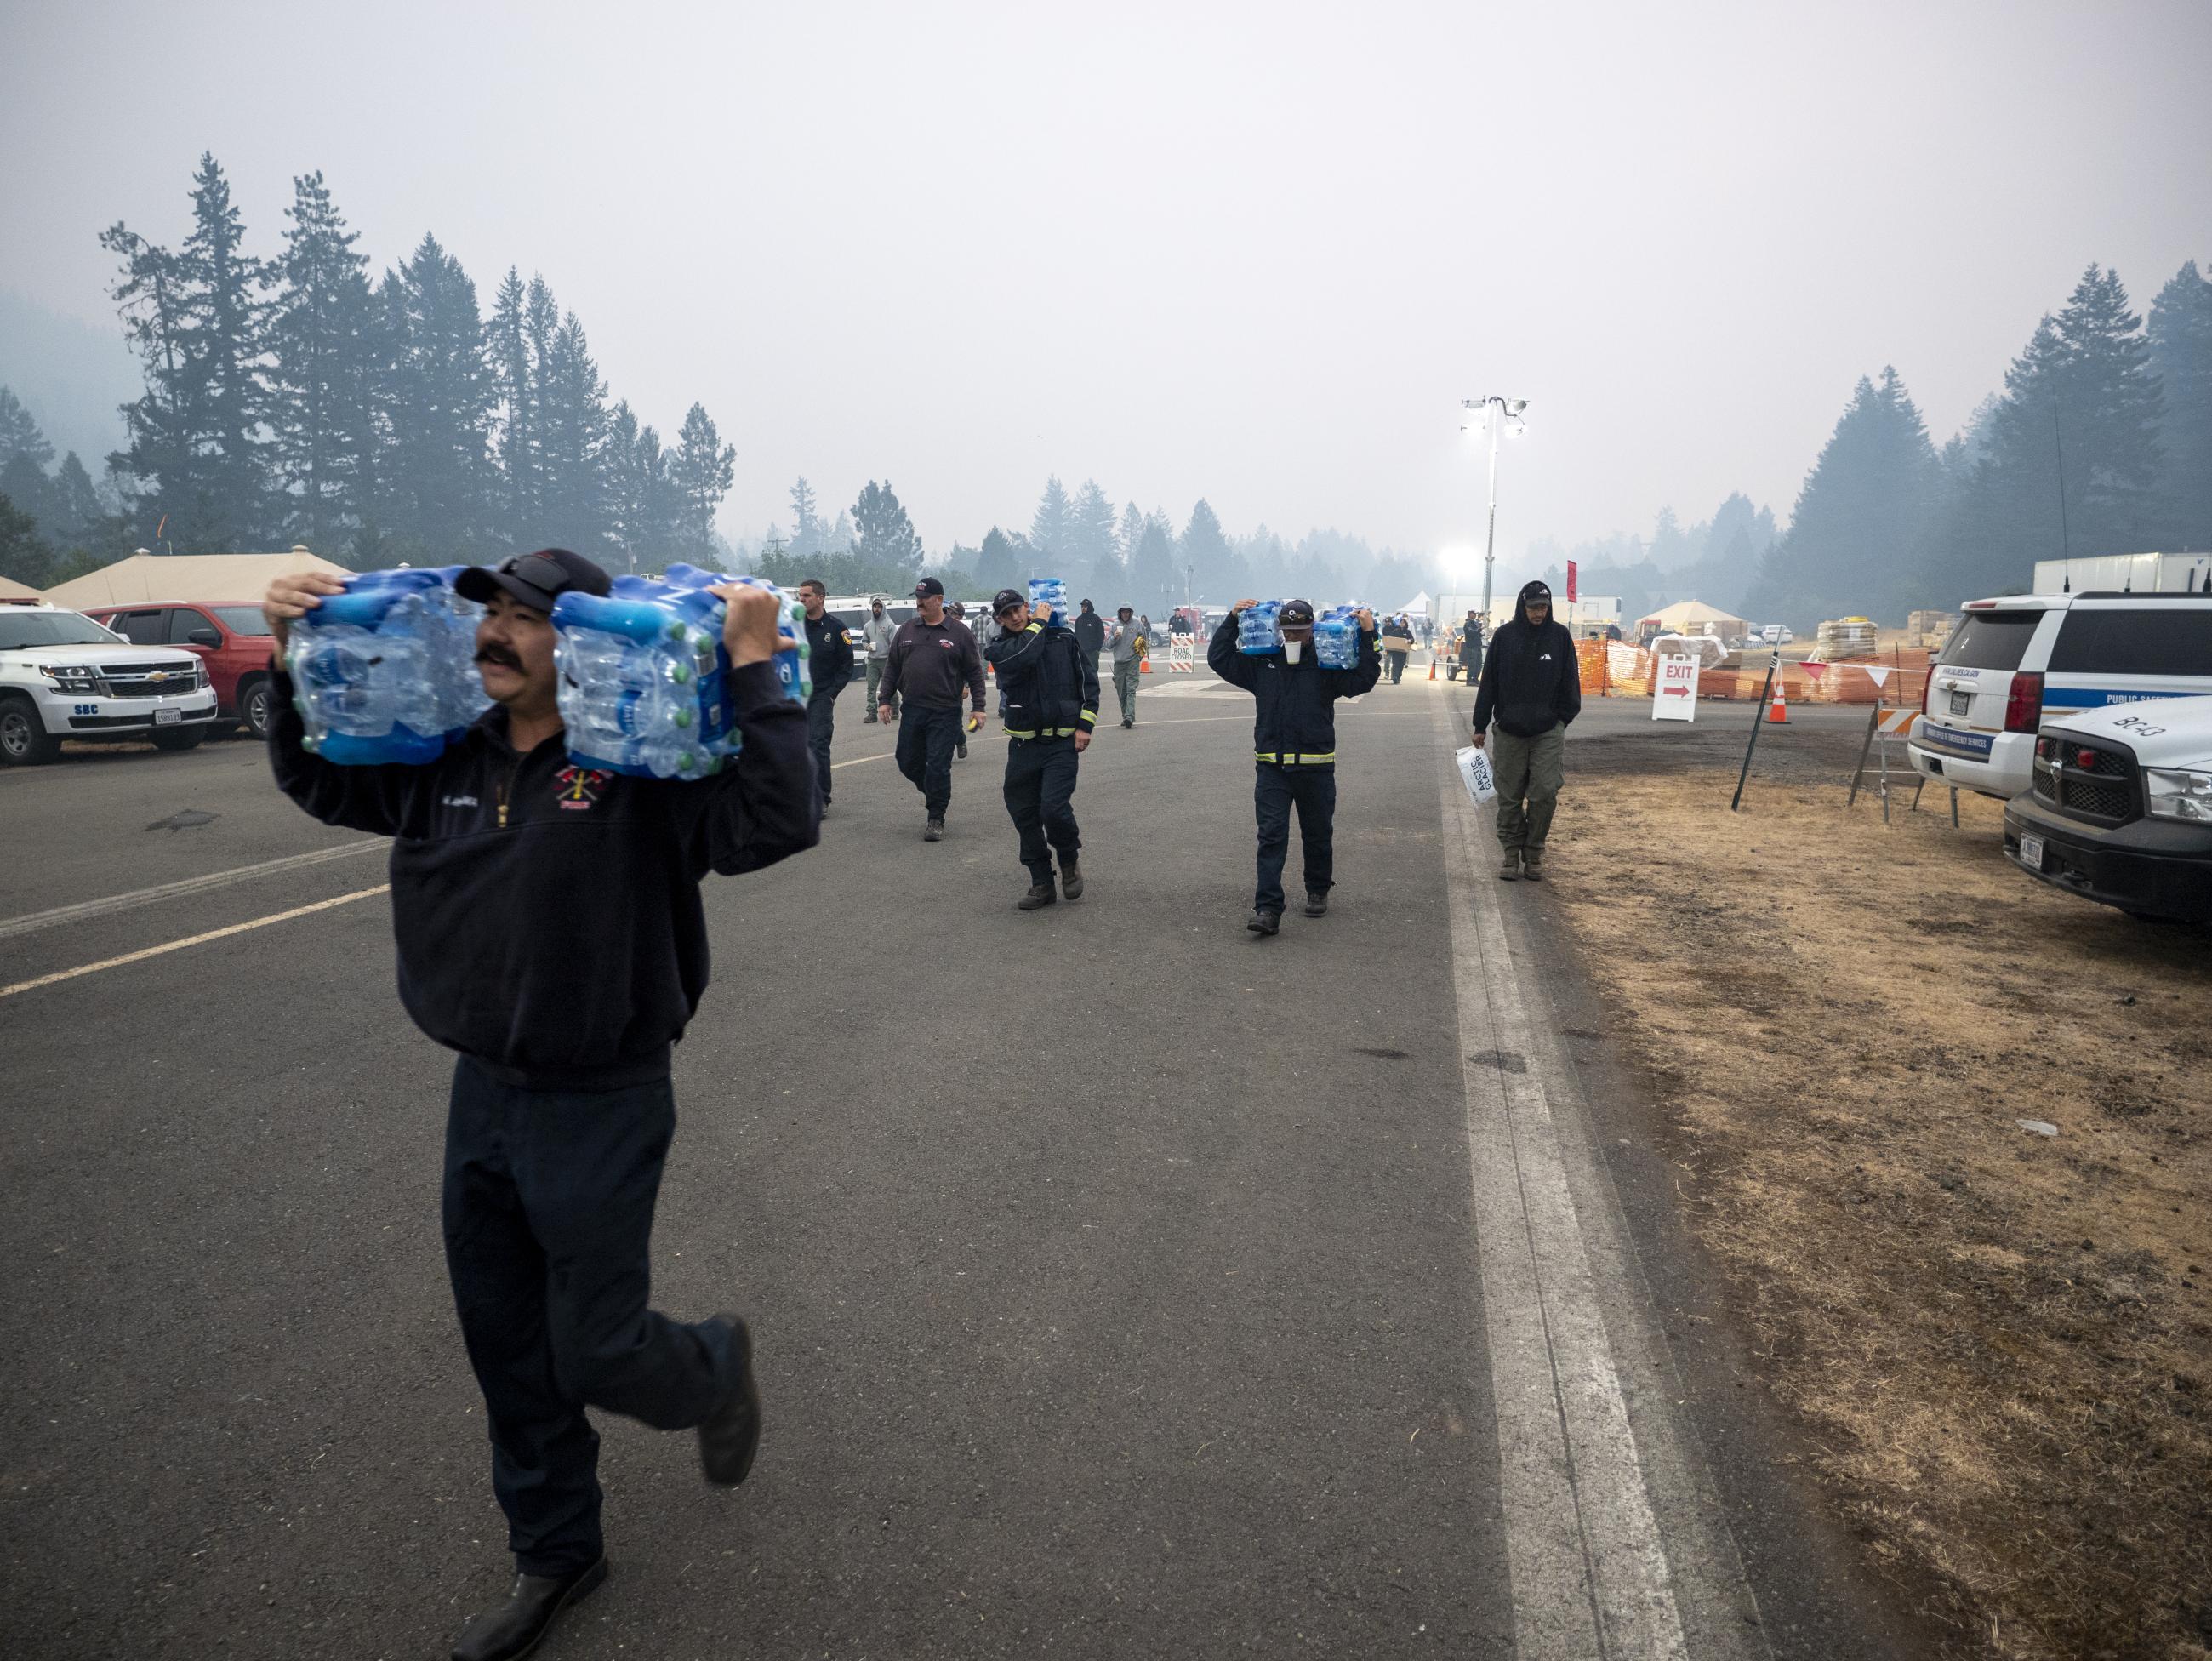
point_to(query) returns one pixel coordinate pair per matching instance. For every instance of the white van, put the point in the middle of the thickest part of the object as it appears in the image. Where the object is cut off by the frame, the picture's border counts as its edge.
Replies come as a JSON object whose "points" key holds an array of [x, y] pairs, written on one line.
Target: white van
{"points": [[2013, 662]]}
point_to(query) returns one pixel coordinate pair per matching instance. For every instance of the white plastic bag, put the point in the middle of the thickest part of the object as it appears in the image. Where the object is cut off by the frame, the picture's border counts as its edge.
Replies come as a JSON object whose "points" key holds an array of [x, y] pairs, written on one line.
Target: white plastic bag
{"points": [[1474, 771]]}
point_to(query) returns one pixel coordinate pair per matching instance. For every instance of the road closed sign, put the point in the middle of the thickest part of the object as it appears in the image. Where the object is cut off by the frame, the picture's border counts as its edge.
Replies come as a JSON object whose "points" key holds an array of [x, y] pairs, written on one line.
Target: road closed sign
{"points": [[1674, 690]]}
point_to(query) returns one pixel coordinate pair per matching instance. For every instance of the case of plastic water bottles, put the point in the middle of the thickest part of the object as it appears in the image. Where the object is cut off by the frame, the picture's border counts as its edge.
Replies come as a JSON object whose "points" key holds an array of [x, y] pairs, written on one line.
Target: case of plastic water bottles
{"points": [[1258, 632], [1050, 595], [385, 671], [1336, 638], [644, 676]]}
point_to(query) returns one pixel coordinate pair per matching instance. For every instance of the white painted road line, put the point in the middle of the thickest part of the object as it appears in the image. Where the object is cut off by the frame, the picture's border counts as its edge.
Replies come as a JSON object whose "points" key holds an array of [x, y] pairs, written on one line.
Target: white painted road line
{"points": [[1589, 1578], [84, 909], [141, 955]]}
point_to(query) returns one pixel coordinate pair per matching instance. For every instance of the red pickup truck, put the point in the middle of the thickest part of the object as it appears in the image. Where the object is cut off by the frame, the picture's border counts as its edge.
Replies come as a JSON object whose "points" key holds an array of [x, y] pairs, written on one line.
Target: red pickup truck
{"points": [[231, 637]]}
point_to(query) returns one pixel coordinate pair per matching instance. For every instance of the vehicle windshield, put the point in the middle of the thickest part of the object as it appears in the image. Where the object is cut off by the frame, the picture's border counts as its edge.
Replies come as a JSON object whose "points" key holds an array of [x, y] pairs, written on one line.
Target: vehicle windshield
{"points": [[19, 629], [1991, 639], [241, 619]]}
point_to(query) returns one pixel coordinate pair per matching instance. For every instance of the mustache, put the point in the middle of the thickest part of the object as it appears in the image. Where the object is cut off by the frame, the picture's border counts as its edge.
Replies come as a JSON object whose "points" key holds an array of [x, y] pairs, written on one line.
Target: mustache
{"points": [[498, 655]]}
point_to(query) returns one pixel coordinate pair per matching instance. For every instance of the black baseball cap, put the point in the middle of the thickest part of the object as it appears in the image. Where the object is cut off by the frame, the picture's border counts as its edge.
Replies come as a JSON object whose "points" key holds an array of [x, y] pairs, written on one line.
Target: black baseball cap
{"points": [[537, 580], [926, 587], [1006, 599], [1298, 613]]}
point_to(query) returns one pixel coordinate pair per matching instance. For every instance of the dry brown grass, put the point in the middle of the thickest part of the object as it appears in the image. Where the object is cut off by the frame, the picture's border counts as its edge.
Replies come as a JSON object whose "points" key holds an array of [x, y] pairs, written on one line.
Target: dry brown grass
{"points": [[1999, 1344]]}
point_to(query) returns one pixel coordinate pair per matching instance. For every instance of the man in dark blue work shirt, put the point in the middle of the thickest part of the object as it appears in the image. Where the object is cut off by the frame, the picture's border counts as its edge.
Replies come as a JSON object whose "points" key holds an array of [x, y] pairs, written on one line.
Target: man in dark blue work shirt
{"points": [[549, 929], [830, 661]]}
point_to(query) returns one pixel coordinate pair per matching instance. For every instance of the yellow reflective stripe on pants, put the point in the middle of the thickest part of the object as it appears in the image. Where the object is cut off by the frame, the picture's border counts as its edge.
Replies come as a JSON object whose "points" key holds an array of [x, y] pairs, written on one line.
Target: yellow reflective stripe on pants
{"points": [[1288, 758], [1045, 733]]}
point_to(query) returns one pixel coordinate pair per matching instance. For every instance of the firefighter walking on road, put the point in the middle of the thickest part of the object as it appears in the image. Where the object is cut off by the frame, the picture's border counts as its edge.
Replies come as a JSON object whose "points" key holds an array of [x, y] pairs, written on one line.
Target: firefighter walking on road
{"points": [[1294, 741], [1049, 689]]}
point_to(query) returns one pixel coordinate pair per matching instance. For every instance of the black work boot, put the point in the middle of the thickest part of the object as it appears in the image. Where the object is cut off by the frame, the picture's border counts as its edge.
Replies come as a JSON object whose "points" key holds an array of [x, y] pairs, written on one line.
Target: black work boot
{"points": [[730, 1435], [1041, 894], [1264, 922], [515, 1627], [934, 831], [1317, 905], [1532, 864], [1071, 878], [1510, 871]]}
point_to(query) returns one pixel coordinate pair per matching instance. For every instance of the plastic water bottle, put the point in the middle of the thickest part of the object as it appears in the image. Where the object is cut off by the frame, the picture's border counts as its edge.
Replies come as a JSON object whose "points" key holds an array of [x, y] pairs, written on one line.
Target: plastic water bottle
{"points": [[1336, 638], [1049, 595], [384, 671], [641, 680], [1257, 631], [793, 670]]}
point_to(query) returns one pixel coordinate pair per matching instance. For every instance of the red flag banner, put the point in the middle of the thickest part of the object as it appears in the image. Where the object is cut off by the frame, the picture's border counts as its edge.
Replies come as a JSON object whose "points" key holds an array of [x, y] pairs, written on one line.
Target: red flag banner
{"points": [[1571, 581], [1813, 667]]}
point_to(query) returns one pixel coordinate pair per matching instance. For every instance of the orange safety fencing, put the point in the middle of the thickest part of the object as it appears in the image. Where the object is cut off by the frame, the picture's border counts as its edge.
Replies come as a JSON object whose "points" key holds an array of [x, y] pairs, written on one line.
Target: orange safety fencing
{"points": [[1612, 668]]}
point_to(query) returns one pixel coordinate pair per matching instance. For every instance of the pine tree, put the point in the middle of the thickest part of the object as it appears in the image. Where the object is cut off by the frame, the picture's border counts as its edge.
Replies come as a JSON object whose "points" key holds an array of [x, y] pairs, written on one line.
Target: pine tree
{"points": [[194, 316], [645, 503], [441, 484], [25, 556], [572, 416], [77, 511], [885, 536], [2181, 357], [1151, 571], [515, 402], [998, 562], [806, 526], [325, 337], [1048, 527], [841, 535], [1861, 518], [19, 435], [1205, 552], [1088, 560], [703, 469]]}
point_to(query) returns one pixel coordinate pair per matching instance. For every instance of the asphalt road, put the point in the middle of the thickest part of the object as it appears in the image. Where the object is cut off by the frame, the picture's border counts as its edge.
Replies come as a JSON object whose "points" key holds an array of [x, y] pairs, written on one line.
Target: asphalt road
{"points": [[1116, 1275]]}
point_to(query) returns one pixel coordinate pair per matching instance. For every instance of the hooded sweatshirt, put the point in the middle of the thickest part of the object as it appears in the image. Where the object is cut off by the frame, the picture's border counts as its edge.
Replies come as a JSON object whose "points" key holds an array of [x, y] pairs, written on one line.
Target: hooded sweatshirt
{"points": [[1531, 681]]}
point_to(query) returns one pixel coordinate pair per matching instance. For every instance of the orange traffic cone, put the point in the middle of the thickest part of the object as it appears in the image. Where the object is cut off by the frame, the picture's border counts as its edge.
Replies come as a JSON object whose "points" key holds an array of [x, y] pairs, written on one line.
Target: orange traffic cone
{"points": [[1144, 665], [1777, 712], [1432, 668]]}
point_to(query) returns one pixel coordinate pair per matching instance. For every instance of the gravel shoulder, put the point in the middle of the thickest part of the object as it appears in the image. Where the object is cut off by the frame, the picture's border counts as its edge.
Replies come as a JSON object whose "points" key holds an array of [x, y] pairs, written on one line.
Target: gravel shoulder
{"points": [[1992, 1341]]}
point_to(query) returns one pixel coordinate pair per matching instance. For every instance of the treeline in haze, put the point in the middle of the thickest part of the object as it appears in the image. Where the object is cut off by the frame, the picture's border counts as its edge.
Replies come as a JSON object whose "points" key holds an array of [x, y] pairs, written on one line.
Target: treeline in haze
{"points": [[1114, 556], [2100, 443], [293, 399]]}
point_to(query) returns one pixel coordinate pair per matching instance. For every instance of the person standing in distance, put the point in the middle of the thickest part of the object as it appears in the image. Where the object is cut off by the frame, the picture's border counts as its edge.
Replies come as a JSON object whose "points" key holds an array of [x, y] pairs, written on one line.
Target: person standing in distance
{"points": [[876, 634], [958, 613], [931, 659], [1532, 682], [1048, 700], [1089, 633], [509, 864], [1294, 747], [1470, 649], [1127, 637], [829, 660]]}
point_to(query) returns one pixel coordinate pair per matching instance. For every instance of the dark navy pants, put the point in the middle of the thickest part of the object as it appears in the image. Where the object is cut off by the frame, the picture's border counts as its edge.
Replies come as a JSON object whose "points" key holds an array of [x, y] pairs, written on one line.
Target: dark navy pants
{"points": [[926, 738], [1040, 792], [1313, 789], [549, 1214], [821, 727]]}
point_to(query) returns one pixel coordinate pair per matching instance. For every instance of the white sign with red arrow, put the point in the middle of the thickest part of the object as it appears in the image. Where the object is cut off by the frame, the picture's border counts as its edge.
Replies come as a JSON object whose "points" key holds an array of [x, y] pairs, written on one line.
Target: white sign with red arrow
{"points": [[1674, 690]]}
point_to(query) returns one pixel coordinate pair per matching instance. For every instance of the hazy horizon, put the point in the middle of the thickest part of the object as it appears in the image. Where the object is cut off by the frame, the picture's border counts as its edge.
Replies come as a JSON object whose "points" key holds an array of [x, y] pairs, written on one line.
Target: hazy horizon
{"points": [[1249, 255]]}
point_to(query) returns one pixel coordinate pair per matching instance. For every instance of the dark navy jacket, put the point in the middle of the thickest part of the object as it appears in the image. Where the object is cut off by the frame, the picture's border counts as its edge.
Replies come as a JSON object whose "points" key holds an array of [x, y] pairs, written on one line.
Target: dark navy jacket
{"points": [[1296, 723]]}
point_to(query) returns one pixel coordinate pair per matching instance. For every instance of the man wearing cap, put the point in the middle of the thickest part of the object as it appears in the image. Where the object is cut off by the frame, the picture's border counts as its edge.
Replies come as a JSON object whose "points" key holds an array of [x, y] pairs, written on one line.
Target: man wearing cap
{"points": [[931, 659], [1126, 636], [1532, 682], [1294, 740], [548, 927], [1049, 699], [829, 660]]}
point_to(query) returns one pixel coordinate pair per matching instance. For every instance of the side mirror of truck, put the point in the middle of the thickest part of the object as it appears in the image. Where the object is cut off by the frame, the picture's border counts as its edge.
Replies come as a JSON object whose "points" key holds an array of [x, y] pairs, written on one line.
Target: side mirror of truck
{"points": [[204, 637]]}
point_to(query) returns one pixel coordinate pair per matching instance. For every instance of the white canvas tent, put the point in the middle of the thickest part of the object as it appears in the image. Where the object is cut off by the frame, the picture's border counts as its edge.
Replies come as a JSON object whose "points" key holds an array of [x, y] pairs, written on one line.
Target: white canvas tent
{"points": [[1694, 617], [213, 577], [13, 593], [1418, 606]]}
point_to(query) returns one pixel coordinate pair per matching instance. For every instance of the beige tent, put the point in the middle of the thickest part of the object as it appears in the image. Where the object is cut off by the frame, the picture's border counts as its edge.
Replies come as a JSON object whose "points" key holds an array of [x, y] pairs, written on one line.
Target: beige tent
{"points": [[1694, 617], [185, 576], [13, 593]]}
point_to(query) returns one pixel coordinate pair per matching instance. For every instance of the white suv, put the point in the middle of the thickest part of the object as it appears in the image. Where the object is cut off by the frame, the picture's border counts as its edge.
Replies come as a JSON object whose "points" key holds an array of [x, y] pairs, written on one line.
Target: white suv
{"points": [[2014, 663], [63, 676]]}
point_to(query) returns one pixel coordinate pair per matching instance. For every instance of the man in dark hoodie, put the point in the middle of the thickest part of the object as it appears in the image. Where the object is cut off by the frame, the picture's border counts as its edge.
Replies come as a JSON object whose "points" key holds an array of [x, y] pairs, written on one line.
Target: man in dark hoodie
{"points": [[549, 929], [1532, 684], [1294, 746]]}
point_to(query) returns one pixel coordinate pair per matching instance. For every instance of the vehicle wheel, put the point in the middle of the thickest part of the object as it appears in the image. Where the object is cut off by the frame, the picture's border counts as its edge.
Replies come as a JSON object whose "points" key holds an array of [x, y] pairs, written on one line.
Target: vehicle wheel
{"points": [[187, 739], [24, 740], [256, 709]]}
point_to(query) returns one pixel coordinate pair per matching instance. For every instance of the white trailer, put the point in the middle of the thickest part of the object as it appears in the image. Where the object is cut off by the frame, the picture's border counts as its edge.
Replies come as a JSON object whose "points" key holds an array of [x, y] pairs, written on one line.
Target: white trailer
{"points": [[2134, 574]]}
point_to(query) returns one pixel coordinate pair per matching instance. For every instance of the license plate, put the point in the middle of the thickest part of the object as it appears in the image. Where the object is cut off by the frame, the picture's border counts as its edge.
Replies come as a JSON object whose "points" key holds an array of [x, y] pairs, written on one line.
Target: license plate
{"points": [[1961, 701], [167, 717], [2031, 852]]}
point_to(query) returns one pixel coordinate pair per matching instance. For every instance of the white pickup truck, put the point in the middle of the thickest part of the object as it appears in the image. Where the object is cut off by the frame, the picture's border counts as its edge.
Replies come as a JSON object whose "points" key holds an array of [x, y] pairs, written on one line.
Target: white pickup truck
{"points": [[63, 675], [2120, 808]]}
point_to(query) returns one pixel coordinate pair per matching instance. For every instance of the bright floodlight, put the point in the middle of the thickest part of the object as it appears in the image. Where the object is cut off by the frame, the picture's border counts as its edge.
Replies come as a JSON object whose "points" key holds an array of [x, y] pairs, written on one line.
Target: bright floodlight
{"points": [[1514, 407]]}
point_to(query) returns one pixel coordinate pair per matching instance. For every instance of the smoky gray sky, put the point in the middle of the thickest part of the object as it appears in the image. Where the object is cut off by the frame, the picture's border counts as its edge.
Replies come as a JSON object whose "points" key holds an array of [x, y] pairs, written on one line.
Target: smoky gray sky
{"points": [[1255, 252]]}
